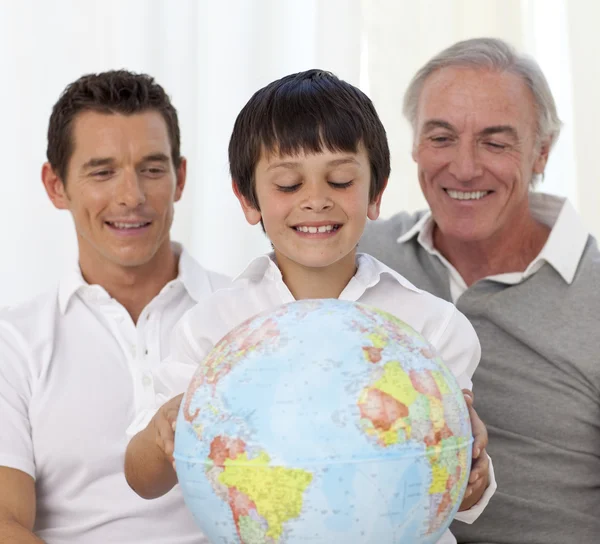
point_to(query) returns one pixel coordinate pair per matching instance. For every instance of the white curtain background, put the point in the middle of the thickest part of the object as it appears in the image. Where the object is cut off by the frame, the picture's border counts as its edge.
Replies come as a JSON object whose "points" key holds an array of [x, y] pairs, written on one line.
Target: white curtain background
{"points": [[211, 56]]}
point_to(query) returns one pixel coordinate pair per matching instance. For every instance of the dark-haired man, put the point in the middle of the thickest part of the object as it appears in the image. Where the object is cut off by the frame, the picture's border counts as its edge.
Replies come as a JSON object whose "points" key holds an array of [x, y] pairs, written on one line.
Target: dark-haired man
{"points": [[75, 363]]}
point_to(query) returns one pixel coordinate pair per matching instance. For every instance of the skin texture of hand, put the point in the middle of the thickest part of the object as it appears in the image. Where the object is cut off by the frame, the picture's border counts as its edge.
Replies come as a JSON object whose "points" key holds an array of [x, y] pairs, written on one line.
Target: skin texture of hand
{"points": [[163, 425], [149, 464], [479, 476]]}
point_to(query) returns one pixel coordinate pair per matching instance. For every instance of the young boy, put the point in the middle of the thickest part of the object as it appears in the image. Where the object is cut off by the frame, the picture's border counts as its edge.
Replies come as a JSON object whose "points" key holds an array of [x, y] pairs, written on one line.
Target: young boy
{"points": [[309, 160]]}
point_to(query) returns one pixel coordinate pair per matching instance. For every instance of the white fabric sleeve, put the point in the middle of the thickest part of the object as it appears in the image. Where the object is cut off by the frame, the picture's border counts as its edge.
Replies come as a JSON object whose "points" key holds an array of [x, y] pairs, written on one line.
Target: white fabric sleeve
{"points": [[458, 346], [16, 445], [175, 372], [470, 515]]}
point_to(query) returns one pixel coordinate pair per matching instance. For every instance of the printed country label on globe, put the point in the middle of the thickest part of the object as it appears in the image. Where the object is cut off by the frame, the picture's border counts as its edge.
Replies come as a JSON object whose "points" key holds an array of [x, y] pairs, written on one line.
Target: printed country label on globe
{"points": [[323, 421]]}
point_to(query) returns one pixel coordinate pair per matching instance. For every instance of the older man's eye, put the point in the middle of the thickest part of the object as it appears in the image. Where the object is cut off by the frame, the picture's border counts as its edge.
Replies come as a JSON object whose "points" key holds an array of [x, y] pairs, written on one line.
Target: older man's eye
{"points": [[440, 141], [496, 147]]}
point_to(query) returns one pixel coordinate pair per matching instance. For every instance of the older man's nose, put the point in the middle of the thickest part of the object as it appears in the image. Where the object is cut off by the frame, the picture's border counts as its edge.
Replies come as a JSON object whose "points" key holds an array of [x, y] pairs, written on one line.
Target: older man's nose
{"points": [[465, 164]]}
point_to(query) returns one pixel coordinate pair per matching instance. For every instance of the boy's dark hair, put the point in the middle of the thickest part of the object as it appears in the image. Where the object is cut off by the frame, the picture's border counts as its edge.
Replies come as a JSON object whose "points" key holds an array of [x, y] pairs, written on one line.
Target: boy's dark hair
{"points": [[307, 111], [115, 91]]}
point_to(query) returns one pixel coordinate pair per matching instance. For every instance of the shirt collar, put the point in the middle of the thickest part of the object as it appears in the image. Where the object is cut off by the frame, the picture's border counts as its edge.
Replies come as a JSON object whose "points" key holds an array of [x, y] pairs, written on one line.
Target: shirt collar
{"points": [[261, 268], [563, 248], [368, 274], [191, 276]]}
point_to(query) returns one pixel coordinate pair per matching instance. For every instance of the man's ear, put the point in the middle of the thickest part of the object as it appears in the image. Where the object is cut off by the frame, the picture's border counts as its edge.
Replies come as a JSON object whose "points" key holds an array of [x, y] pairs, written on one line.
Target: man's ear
{"points": [[253, 215], [55, 188], [375, 206], [542, 157], [181, 177]]}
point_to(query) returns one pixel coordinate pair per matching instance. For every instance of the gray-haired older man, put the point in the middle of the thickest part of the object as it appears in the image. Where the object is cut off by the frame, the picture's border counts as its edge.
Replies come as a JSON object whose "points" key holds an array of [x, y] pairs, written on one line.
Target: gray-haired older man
{"points": [[521, 266]]}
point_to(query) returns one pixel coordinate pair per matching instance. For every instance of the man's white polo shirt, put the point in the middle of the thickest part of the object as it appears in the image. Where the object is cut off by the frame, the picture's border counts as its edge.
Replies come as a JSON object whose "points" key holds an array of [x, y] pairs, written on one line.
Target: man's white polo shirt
{"points": [[74, 371], [260, 287]]}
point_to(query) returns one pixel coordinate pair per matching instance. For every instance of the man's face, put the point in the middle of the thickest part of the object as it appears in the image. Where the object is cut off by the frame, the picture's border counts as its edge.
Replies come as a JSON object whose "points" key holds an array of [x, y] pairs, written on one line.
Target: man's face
{"points": [[120, 187], [313, 206], [476, 151]]}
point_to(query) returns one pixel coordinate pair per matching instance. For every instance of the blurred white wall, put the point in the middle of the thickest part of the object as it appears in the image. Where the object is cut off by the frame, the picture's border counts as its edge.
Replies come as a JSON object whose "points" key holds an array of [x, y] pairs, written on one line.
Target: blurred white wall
{"points": [[211, 56]]}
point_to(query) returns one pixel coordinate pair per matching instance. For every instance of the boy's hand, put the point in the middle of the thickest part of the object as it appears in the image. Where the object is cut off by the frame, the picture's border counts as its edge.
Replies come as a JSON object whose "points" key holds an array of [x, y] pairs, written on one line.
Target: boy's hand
{"points": [[163, 426], [478, 478]]}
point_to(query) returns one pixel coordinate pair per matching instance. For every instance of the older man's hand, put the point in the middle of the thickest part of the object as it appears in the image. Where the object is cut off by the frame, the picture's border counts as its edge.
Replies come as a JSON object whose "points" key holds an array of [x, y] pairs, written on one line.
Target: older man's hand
{"points": [[479, 476]]}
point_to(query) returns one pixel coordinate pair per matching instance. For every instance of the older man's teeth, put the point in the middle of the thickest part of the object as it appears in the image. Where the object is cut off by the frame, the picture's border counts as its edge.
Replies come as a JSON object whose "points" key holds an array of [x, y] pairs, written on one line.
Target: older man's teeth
{"points": [[129, 225], [315, 230], [466, 195]]}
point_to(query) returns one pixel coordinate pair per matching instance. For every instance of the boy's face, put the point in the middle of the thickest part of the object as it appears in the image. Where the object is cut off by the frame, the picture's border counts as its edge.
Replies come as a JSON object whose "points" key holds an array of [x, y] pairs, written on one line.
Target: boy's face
{"points": [[313, 206]]}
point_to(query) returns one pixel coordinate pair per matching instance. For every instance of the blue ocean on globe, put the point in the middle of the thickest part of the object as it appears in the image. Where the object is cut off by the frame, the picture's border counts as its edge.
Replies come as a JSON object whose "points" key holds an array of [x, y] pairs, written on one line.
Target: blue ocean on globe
{"points": [[323, 422]]}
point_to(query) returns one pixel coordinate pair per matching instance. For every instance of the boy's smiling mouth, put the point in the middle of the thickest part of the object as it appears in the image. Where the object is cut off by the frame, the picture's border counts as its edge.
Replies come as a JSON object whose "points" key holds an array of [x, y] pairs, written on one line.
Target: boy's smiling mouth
{"points": [[313, 228]]}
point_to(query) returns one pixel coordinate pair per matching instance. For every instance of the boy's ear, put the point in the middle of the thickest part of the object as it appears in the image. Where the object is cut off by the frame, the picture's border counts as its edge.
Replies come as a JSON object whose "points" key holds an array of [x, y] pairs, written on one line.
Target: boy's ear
{"points": [[253, 216], [375, 205]]}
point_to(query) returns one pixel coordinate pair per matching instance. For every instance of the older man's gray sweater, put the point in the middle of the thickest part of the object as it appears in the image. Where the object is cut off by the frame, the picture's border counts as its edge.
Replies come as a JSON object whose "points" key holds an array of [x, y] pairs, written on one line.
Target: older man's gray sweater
{"points": [[537, 388]]}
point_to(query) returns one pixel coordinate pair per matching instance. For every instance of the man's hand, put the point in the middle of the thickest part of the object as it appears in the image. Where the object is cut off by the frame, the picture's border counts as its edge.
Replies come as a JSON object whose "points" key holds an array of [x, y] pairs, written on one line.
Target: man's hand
{"points": [[479, 476], [163, 426]]}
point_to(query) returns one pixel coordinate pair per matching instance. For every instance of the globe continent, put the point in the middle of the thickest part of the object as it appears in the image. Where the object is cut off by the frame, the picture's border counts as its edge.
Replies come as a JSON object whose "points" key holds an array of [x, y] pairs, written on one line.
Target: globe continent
{"points": [[323, 421]]}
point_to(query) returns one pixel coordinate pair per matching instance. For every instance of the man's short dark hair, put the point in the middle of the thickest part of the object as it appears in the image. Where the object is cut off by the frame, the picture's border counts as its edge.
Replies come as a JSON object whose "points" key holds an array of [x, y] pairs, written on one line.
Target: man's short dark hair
{"points": [[115, 91], [307, 111]]}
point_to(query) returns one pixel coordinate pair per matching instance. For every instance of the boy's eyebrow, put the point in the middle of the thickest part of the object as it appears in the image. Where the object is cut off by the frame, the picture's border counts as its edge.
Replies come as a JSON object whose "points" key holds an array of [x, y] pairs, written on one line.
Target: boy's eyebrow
{"points": [[295, 164]]}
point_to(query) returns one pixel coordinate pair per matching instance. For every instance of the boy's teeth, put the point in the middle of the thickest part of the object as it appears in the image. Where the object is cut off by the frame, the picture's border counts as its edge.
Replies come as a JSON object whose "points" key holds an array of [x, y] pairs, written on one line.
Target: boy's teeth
{"points": [[314, 230], [466, 195]]}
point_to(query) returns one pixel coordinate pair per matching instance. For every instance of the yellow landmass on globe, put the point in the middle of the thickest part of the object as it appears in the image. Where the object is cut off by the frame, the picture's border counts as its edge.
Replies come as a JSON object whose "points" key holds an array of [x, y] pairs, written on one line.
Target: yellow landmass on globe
{"points": [[439, 478], [380, 340], [276, 491], [396, 383]]}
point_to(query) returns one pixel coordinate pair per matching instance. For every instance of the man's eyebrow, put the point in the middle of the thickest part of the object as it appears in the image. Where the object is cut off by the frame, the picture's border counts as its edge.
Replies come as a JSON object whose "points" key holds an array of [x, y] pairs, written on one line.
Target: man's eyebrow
{"points": [[437, 123], [156, 157], [98, 161], [500, 129]]}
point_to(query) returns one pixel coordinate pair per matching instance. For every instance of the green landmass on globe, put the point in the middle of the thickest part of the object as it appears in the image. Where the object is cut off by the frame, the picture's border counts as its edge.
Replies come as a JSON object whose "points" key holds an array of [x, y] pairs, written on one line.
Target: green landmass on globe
{"points": [[361, 435]]}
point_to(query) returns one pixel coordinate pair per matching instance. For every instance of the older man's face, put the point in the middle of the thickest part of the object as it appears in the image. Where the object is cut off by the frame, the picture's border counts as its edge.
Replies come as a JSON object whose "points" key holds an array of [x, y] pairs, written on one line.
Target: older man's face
{"points": [[476, 150]]}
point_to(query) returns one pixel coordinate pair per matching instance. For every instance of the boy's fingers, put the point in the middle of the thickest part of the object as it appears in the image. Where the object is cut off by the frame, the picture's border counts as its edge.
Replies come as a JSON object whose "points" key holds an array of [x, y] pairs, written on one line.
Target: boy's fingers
{"points": [[479, 468]]}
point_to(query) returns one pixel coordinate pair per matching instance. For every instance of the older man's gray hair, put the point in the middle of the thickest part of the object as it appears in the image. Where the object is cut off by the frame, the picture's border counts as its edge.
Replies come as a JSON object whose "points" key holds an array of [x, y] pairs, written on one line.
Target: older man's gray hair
{"points": [[493, 54]]}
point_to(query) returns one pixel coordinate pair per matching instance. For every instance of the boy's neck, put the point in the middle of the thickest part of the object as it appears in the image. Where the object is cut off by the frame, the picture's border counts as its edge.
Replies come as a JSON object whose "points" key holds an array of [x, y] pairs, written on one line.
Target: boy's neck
{"points": [[322, 282]]}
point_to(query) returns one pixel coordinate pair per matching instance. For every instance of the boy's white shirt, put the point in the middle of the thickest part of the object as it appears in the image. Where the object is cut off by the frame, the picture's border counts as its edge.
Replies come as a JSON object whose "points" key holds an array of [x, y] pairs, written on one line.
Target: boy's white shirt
{"points": [[260, 288]]}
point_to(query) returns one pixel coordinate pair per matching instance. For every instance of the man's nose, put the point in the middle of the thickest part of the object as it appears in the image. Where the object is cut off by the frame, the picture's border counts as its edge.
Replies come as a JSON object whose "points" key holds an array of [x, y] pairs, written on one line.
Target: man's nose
{"points": [[466, 165], [130, 192]]}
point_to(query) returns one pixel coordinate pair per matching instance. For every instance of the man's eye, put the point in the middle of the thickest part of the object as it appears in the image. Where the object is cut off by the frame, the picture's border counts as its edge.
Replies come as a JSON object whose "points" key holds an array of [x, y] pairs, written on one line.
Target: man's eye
{"points": [[154, 171], [288, 188], [440, 140], [495, 146], [341, 184], [102, 173]]}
